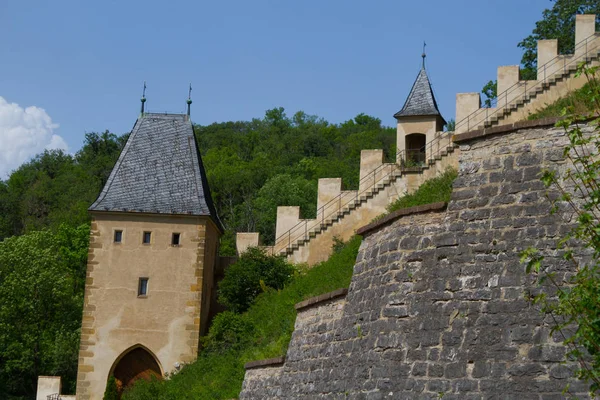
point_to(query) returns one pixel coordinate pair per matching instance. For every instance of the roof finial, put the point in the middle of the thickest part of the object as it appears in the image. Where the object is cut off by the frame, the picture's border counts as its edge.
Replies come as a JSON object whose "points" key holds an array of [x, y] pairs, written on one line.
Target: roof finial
{"points": [[189, 100], [424, 55], [143, 99]]}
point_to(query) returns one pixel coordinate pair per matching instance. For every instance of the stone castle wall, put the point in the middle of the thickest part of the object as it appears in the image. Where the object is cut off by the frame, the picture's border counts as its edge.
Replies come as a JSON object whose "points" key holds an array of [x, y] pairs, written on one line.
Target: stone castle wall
{"points": [[437, 304]]}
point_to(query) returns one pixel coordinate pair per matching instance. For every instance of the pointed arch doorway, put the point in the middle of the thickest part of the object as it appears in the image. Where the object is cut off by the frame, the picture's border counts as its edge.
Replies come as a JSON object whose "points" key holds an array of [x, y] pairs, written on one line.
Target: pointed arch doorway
{"points": [[135, 363]]}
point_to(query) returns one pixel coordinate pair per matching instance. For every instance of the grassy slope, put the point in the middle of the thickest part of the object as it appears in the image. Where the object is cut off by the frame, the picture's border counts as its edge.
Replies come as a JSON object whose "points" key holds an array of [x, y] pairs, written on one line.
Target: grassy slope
{"points": [[431, 191], [219, 375], [578, 100]]}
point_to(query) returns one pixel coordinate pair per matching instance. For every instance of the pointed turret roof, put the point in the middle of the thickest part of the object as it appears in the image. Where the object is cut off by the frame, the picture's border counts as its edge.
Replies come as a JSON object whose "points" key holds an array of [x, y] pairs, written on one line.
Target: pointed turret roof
{"points": [[420, 101], [159, 171]]}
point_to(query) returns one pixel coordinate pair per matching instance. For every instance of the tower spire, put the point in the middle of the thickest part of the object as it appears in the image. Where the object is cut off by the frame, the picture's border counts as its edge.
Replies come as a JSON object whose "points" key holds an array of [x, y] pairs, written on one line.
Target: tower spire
{"points": [[189, 100], [143, 99], [424, 55]]}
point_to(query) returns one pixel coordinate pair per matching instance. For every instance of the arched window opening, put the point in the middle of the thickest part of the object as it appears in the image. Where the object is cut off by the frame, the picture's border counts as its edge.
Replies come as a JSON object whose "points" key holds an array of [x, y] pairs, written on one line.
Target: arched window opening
{"points": [[415, 148], [137, 363]]}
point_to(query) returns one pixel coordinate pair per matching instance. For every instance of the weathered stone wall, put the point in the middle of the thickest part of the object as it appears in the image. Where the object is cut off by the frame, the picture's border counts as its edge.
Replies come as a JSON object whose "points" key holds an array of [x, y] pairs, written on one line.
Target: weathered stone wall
{"points": [[437, 304]]}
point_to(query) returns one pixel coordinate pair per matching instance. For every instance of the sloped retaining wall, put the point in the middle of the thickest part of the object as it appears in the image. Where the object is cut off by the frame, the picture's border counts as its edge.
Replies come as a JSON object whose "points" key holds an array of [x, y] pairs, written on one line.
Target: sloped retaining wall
{"points": [[437, 305]]}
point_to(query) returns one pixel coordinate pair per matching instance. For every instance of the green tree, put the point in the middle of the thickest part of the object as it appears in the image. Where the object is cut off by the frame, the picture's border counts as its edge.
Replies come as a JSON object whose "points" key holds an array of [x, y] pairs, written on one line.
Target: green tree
{"points": [[252, 274], [41, 298], [490, 91]]}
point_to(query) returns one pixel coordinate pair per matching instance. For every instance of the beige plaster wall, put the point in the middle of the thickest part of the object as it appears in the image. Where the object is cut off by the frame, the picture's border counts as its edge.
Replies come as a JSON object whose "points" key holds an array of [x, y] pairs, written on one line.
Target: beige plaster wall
{"points": [[46, 386], [328, 189], [508, 75], [287, 218], [546, 51], [370, 160], [168, 321], [585, 26], [466, 104], [244, 240], [428, 125]]}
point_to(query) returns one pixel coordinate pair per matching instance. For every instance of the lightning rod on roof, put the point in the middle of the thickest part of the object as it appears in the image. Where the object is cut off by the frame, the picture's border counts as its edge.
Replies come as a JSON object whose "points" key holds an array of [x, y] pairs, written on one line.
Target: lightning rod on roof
{"points": [[143, 99], [189, 100], [424, 55]]}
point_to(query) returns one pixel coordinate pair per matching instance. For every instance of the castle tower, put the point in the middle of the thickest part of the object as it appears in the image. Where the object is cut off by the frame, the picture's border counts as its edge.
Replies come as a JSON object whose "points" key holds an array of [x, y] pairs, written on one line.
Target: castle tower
{"points": [[153, 246], [419, 120]]}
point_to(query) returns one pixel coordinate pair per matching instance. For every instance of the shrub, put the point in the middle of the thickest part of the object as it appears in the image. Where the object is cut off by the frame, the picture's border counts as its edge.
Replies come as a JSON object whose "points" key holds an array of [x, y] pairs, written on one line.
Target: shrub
{"points": [[250, 275], [228, 330], [111, 392]]}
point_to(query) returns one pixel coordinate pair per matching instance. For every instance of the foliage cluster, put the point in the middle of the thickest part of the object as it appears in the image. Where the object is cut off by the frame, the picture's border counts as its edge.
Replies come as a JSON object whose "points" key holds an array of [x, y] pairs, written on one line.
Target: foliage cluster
{"points": [[263, 331], [42, 275], [575, 189], [112, 391], [251, 274], [431, 191], [255, 166]]}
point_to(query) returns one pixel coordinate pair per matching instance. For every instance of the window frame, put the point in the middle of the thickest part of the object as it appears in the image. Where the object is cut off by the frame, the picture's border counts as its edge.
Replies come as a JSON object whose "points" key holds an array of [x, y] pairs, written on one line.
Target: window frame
{"points": [[178, 236], [139, 291], [144, 233], [120, 233]]}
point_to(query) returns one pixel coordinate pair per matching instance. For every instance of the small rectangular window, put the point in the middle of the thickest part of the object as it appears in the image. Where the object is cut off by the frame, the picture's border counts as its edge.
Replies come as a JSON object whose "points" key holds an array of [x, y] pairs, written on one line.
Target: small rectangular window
{"points": [[146, 238], [175, 239], [143, 287], [118, 236]]}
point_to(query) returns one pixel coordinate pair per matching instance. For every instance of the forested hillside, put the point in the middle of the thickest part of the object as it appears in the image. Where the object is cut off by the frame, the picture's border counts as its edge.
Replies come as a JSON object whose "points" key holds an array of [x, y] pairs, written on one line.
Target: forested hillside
{"points": [[252, 167]]}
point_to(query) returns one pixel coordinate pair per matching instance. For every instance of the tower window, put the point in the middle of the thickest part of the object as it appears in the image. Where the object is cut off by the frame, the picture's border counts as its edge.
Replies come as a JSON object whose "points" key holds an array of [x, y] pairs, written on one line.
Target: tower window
{"points": [[118, 236], [143, 287], [175, 239], [146, 237]]}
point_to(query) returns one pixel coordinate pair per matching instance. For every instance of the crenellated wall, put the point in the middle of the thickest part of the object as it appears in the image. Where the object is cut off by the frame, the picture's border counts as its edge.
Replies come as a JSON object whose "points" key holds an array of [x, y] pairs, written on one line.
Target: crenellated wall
{"points": [[437, 307], [517, 98], [341, 212]]}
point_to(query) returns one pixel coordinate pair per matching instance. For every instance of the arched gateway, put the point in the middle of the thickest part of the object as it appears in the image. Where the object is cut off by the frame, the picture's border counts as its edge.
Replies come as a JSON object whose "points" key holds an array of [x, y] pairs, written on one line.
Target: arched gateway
{"points": [[135, 363]]}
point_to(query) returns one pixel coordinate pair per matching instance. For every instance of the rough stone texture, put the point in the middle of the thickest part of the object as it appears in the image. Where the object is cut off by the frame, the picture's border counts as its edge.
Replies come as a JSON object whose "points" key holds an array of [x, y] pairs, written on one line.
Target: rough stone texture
{"points": [[436, 307]]}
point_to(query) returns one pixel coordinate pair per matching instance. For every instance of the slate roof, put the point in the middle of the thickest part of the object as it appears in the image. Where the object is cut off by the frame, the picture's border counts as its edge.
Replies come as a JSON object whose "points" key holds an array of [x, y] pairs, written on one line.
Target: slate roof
{"points": [[421, 100], [159, 171]]}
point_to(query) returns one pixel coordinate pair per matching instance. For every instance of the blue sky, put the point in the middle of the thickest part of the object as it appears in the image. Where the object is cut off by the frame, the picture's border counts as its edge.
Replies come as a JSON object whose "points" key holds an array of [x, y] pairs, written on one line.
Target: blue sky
{"points": [[84, 62]]}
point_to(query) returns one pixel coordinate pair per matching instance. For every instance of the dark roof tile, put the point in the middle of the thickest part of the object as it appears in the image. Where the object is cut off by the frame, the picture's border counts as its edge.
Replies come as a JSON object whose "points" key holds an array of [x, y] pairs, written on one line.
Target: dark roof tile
{"points": [[159, 171], [420, 101]]}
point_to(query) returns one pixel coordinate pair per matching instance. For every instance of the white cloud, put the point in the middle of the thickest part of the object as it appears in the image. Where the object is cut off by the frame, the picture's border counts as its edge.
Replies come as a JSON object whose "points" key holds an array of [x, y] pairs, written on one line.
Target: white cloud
{"points": [[24, 132]]}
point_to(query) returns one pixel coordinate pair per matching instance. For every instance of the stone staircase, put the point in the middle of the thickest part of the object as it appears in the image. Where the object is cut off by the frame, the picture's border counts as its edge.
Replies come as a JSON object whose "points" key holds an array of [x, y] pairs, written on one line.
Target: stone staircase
{"points": [[511, 104], [397, 170], [531, 95]]}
